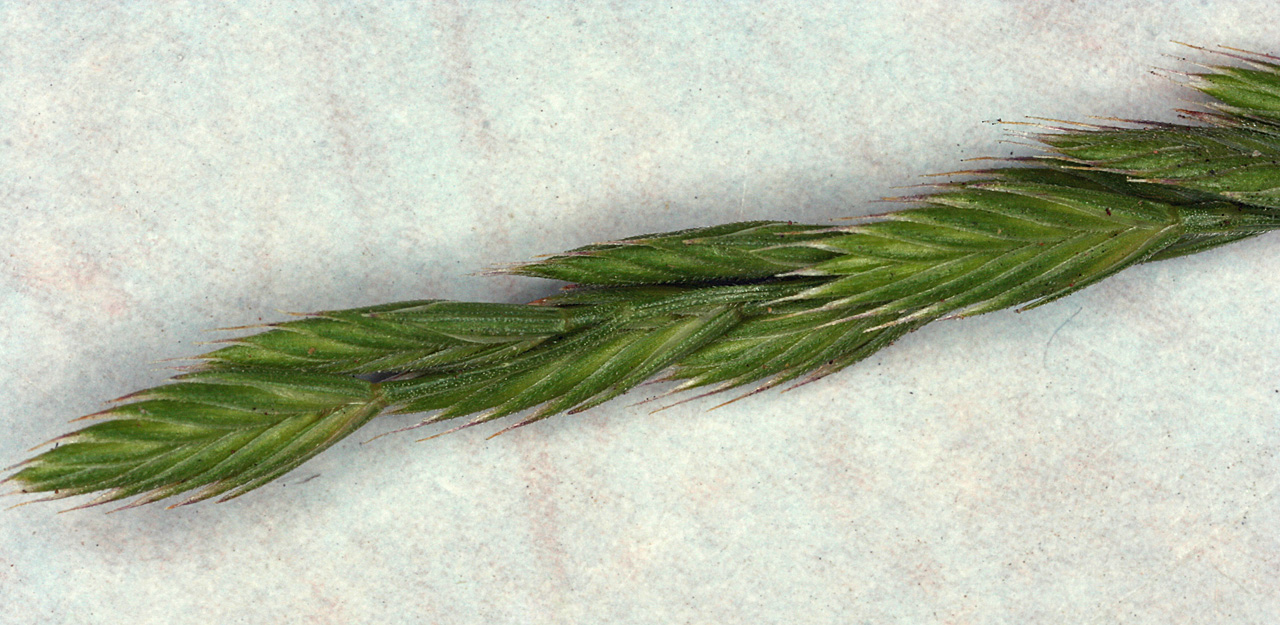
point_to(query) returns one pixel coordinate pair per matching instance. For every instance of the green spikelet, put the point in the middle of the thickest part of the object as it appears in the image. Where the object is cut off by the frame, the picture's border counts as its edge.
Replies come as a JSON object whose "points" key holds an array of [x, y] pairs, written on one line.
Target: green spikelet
{"points": [[990, 245], [222, 432], [726, 253], [405, 336], [753, 303], [1237, 156], [1236, 163], [1248, 95]]}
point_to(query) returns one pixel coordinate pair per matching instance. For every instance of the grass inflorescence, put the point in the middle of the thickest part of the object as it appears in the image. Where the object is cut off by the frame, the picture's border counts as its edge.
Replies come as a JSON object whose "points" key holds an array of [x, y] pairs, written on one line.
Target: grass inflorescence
{"points": [[748, 305]]}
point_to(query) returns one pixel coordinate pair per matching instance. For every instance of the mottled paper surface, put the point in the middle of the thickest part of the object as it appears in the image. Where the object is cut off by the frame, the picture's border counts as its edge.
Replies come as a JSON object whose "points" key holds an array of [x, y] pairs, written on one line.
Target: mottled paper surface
{"points": [[167, 169]]}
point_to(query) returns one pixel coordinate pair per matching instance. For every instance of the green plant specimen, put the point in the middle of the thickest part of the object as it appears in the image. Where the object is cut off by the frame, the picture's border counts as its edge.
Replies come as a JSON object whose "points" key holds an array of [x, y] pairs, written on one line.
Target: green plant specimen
{"points": [[747, 305]]}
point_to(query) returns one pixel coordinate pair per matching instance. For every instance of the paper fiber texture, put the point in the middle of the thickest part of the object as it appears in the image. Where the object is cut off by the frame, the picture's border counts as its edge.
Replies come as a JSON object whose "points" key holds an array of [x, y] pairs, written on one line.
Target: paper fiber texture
{"points": [[168, 169]]}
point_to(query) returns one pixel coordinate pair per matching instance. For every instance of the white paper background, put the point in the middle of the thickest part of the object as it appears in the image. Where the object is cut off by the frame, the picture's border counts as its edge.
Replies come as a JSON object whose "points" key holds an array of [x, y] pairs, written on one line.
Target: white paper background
{"points": [[166, 169]]}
